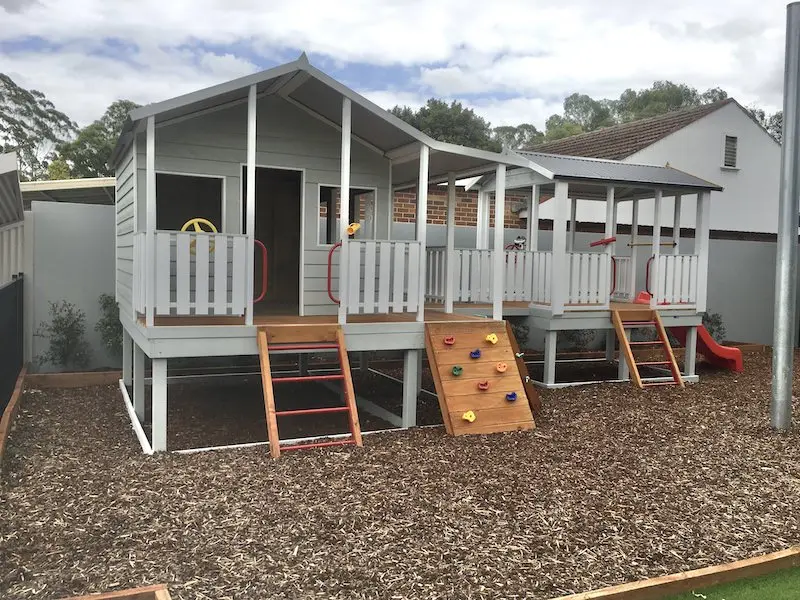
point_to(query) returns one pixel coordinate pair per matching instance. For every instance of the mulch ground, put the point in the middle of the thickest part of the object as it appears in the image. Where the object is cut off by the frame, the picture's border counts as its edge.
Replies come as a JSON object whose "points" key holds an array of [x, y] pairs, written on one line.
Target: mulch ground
{"points": [[614, 485]]}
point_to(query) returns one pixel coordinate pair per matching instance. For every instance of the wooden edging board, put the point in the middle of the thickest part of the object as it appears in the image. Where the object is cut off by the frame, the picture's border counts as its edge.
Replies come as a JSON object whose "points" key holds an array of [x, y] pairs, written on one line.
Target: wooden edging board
{"points": [[10, 413], [688, 581], [153, 592], [73, 380]]}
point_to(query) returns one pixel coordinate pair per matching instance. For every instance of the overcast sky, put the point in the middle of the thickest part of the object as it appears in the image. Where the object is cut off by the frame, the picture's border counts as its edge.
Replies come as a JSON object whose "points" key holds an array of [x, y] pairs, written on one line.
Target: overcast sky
{"points": [[513, 61]]}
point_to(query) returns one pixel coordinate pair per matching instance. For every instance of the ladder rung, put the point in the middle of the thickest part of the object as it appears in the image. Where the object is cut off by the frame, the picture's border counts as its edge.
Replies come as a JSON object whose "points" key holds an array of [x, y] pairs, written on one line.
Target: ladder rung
{"points": [[276, 347], [637, 323], [657, 383], [311, 411], [350, 442], [653, 343], [653, 363], [308, 378]]}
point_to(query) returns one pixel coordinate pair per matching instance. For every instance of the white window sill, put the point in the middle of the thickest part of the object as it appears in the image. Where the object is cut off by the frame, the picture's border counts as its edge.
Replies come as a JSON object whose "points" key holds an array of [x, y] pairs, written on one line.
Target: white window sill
{"points": [[724, 168]]}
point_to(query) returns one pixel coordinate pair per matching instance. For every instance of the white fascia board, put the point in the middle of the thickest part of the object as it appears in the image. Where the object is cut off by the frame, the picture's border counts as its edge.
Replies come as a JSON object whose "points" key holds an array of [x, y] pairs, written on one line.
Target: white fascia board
{"points": [[67, 184]]}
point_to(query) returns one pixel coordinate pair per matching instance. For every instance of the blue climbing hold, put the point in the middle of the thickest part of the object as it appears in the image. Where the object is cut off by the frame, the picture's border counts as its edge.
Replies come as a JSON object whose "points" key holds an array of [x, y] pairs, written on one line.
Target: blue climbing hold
{"points": [[511, 396], [475, 353]]}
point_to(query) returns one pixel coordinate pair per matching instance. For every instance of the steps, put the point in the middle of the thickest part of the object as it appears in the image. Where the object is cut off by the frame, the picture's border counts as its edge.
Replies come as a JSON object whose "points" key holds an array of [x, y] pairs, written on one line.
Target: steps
{"points": [[466, 407], [644, 318], [305, 338]]}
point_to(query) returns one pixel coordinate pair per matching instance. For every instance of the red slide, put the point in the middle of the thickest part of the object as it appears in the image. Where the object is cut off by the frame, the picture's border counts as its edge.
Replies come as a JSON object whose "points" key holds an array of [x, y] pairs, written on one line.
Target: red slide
{"points": [[724, 357]]}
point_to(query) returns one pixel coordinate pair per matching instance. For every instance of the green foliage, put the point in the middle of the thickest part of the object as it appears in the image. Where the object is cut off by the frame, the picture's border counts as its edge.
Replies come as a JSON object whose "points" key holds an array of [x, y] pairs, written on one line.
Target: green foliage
{"points": [[109, 326], [587, 112], [781, 585], [772, 123], [66, 332], [520, 137], [58, 169], [520, 329], [578, 340], [31, 126], [715, 326], [557, 127], [450, 123], [88, 154]]}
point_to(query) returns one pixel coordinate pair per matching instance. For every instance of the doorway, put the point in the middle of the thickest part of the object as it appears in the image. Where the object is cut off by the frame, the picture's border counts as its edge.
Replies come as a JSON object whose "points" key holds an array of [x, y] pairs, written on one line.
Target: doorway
{"points": [[278, 213]]}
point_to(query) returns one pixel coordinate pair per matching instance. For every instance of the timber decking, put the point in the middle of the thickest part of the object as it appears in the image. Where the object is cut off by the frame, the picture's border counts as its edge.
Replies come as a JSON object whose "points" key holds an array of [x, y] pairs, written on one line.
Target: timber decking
{"points": [[431, 316], [459, 394]]}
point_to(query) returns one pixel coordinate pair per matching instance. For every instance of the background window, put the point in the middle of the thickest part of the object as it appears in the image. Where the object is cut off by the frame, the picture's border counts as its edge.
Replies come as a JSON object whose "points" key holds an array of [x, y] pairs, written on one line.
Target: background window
{"points": [[183, 197], [731, 146], [361, 204]]}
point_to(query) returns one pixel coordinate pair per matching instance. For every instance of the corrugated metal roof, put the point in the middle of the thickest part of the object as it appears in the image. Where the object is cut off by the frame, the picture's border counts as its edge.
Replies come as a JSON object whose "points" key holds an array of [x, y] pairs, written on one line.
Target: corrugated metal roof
{"points": [[10, 196], [592, 169]]}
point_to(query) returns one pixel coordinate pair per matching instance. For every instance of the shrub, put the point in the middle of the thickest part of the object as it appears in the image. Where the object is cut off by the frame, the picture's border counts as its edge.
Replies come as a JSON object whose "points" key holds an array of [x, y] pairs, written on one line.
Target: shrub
{"points": [[715, 326], [66, 332], [109, 326]]}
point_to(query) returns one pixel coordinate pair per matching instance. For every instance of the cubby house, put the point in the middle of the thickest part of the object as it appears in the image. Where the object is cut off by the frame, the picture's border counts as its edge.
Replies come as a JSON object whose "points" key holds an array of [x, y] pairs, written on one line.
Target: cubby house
{"points": [[222, 250]]}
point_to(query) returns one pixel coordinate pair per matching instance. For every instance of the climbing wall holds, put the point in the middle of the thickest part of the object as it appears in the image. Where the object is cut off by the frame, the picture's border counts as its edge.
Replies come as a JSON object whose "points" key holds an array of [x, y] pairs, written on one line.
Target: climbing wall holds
{"points": [[492, 338], [457, 370], [511, 396], [475, 353], [483, 385], [469, 416], [502, 367], [520, 354], [449, 340]]}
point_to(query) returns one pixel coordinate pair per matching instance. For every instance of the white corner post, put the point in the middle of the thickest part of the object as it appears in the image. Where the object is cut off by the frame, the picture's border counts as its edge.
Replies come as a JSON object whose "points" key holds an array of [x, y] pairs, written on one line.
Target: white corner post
{"points": [[482, 225], [701, 246], [138, 382], [422, 225], [560, 270], [533, 219], [390, 205], [499, 267], [159, 394], [344, 210], [251, 203], [610, 231], [450, 245], [550, 342], [634, 248], [127, 358], [690, 356], [676, 226], [411, 361], [655, 279], [573, 222], [150, 222]]}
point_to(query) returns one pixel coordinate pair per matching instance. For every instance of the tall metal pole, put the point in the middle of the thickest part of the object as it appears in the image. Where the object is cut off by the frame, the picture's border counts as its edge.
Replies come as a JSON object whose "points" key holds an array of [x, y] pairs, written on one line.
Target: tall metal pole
{"points": [[786, 269]]}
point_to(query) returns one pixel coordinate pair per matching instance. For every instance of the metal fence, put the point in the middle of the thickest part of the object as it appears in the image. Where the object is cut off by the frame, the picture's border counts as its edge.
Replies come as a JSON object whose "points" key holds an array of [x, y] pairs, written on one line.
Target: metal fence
{"points": [[10, 338]]}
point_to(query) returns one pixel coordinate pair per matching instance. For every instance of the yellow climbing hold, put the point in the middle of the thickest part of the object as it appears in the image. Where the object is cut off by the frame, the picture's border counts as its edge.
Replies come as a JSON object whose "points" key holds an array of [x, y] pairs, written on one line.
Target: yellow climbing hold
{"points": [[469, 416], [492, 338]]}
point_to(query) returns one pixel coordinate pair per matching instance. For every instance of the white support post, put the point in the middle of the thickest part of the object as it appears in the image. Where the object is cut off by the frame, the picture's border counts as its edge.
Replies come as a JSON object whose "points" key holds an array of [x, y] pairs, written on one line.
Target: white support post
{"points": [[654, 274], [410, 389], [390, 205], [676, 226], [127, 358], [150, 222], [251, 203], [701, 247], [573, 222], [623, 373], [634, 248], [138, 382], [533, 219], [482, 226], [560, 269], [450, 250], [610, 231], [499, 267], [159, 402], [550, 341], [422, 226], [690, 356], [344, 210]]}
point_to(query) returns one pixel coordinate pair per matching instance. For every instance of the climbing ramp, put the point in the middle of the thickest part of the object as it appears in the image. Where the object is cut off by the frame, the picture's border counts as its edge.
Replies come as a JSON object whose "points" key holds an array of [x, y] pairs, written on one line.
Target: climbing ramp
{"points": [[645, 318], [477, 378], [304, 339]]}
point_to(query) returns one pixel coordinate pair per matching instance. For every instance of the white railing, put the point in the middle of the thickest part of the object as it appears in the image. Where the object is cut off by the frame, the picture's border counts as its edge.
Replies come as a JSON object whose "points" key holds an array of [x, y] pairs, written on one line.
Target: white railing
{"points": [[473, 275], [542, 277], [11, 246], [621, 274], [677, 279], [518, 276], [196, 273], [383, 276], [589, 278], [436, 274]]}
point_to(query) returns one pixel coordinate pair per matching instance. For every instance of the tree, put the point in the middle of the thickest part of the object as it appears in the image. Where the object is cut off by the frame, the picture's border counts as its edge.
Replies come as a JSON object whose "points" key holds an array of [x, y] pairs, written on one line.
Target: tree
{"points": [[662, 97], [58, 169], [88, 154], [557, 127], [450, 123], [772, 123], [522, 136], [587, 112], [31, 126]]}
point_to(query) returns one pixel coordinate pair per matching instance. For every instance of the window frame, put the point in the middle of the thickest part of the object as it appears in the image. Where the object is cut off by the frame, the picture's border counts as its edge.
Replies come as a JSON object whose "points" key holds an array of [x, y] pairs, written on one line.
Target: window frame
{"points": [[365, 189], [735, 166], [223, 199]]}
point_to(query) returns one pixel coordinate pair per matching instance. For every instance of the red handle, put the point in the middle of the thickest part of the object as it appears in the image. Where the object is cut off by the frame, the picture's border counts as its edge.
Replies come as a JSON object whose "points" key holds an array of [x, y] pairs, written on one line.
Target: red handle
{"points": [[263, 271], [613, 275], [604, 242], [333, 298], [647, 275]]}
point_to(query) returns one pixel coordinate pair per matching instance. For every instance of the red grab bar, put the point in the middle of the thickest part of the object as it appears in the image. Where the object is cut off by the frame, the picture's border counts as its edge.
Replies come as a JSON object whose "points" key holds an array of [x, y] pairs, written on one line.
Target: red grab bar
{"points": [[333, 298], [613, 275], [647, 275], [263, 271]]}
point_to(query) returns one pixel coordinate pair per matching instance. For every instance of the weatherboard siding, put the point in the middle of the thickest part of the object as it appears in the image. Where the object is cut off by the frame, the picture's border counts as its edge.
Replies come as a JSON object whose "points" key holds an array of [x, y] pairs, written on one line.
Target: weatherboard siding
{"points": [[125, 226]]}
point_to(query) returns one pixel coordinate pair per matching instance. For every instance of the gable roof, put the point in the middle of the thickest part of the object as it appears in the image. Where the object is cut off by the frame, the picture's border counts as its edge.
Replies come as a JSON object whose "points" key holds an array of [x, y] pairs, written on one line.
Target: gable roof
{"points": [[621, 141]]}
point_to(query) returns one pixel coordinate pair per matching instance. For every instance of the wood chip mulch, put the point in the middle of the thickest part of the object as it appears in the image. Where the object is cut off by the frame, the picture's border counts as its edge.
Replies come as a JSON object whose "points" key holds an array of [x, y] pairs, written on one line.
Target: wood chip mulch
{"points": [[614, 485]]}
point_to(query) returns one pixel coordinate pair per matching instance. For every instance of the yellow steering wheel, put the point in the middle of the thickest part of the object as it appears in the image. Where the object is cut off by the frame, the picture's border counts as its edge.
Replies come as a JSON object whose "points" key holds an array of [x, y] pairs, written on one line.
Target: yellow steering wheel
{"points": [[198, 223]]}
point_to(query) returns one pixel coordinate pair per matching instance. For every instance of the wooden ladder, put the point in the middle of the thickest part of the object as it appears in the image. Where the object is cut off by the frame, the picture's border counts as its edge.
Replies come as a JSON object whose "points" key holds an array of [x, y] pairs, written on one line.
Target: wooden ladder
{"points": [[303, 339], [645, 318]]}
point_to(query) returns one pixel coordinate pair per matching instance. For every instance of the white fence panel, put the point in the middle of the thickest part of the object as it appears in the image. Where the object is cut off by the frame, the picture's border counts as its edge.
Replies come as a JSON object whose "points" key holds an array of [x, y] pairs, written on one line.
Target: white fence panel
{"points": [[677, 279], [384, 276], [621, 275], [588, 278]]}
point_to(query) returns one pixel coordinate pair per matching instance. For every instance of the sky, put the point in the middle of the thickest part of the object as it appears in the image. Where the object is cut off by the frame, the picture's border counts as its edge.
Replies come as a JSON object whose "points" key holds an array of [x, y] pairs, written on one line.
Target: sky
{"points": [[512, 61]]}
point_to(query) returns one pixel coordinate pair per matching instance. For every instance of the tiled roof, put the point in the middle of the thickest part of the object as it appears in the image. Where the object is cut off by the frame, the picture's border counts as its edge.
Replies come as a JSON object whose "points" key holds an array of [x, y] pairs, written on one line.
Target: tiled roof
{"points": [[621, 141]]}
